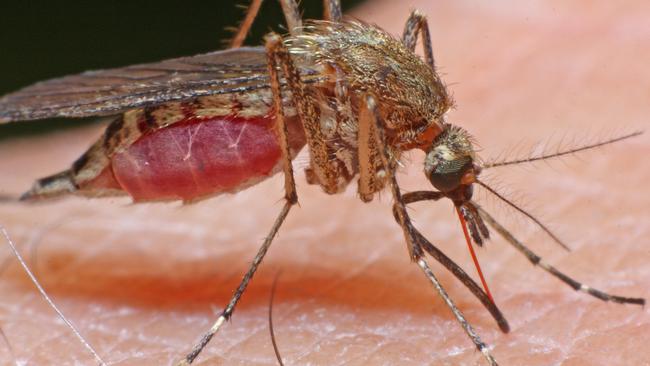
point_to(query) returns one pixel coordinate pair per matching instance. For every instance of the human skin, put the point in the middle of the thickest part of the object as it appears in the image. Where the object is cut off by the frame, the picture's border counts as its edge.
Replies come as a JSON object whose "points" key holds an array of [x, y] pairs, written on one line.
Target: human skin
{"points": [[142, 282]]}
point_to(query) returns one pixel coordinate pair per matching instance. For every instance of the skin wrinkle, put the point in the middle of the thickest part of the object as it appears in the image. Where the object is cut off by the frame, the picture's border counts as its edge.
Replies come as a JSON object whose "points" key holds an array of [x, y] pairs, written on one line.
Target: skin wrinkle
{"points": [[314, 346], [573, 331], [554, 343], [348, 277], [250, 336]]}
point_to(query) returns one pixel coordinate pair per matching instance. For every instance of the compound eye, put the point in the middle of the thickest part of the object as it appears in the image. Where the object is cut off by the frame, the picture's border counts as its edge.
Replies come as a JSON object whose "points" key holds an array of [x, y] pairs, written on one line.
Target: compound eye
{"points": [[447, 175], [450, 161]]}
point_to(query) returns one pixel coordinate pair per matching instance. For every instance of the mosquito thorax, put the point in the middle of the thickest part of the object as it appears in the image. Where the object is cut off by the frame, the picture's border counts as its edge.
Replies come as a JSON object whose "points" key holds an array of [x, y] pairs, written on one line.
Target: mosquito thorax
{"points": [[449, 164]]}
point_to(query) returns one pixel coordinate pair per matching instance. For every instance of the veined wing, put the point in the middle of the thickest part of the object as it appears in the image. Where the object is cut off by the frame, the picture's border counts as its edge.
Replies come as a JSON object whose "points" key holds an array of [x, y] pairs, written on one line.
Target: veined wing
{"points": [[106, 92]]}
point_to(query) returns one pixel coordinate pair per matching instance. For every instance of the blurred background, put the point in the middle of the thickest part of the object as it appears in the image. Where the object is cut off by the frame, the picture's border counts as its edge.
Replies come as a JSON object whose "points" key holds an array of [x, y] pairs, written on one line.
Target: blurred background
{"points": [[45, 39]]}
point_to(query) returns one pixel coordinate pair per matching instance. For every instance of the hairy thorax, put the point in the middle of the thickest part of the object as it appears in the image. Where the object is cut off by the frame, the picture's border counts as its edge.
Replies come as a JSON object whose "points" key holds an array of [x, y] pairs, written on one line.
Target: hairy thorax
{"points": [[357, 60]]}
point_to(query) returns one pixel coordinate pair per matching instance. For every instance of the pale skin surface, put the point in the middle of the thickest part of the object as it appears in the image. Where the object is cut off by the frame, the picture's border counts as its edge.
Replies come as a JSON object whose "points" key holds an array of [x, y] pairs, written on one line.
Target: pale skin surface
{"points": [[142, 282]]}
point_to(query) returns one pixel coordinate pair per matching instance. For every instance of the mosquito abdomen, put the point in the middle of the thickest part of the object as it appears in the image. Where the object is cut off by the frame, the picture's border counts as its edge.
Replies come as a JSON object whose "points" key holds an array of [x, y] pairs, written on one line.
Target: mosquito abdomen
{"points": [[197, 158], [199, 155]]}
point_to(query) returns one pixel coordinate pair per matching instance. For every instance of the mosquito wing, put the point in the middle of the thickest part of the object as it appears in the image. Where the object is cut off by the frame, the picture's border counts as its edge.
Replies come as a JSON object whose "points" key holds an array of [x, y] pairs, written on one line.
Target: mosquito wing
{"points": [[107, 92]]}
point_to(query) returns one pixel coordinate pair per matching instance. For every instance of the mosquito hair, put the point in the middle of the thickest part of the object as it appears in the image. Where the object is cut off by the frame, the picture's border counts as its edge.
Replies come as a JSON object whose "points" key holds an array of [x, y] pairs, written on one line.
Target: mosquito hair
{"points": [[561, 152], [512, 149], [525, 213], [514, 195], [47, 298], [276, 350]]}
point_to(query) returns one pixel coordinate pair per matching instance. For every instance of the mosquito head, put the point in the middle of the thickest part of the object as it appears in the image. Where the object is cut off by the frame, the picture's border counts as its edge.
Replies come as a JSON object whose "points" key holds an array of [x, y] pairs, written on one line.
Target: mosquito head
{"points": [[449, 164]]}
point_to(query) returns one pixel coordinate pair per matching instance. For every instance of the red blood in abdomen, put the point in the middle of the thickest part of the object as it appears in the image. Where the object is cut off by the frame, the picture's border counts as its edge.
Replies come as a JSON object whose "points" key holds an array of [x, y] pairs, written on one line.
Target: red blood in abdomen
{"points": [[198, 157]]}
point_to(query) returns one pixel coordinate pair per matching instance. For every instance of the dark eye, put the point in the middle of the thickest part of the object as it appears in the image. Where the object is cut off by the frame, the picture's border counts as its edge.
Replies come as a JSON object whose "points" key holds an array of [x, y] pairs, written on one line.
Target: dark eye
{"points": [[449, 162], [446, 175]]}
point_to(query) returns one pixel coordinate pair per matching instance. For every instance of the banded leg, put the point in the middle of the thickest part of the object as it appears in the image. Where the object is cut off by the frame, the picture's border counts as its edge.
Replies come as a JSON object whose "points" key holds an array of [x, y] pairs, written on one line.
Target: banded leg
{"points": [[291, 198], [332, 12], [372, 168], [417, 23], [448, 263], [537, 261], [371, 121], [530, 255]]}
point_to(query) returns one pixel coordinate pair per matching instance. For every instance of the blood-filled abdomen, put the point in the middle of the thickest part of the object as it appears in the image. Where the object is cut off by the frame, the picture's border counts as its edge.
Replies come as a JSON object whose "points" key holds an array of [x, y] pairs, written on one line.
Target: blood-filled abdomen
{"points": [[198, 157], [180, 151]]}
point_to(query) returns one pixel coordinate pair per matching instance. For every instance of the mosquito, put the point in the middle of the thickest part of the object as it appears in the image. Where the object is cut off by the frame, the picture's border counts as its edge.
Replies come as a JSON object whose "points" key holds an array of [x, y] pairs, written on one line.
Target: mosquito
{"points": [[193, 127]]}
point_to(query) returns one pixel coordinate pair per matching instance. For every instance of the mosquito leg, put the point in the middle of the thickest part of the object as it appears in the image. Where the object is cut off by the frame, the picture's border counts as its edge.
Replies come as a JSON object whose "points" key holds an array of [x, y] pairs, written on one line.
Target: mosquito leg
{"points": [[417, 23], [372, 170], [454, 268], [373, 153], [291, 14], [471, 333], [291, 198], [371, 123], [537, 261], [246, 24], [417, 196], [465, 279], [227, 313], [333, 11], [326, 170]]}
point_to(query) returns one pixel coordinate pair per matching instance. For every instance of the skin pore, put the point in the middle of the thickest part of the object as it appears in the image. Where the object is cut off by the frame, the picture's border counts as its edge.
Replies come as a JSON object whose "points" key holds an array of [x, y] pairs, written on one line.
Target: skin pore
{"points": [[143, 282]]}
